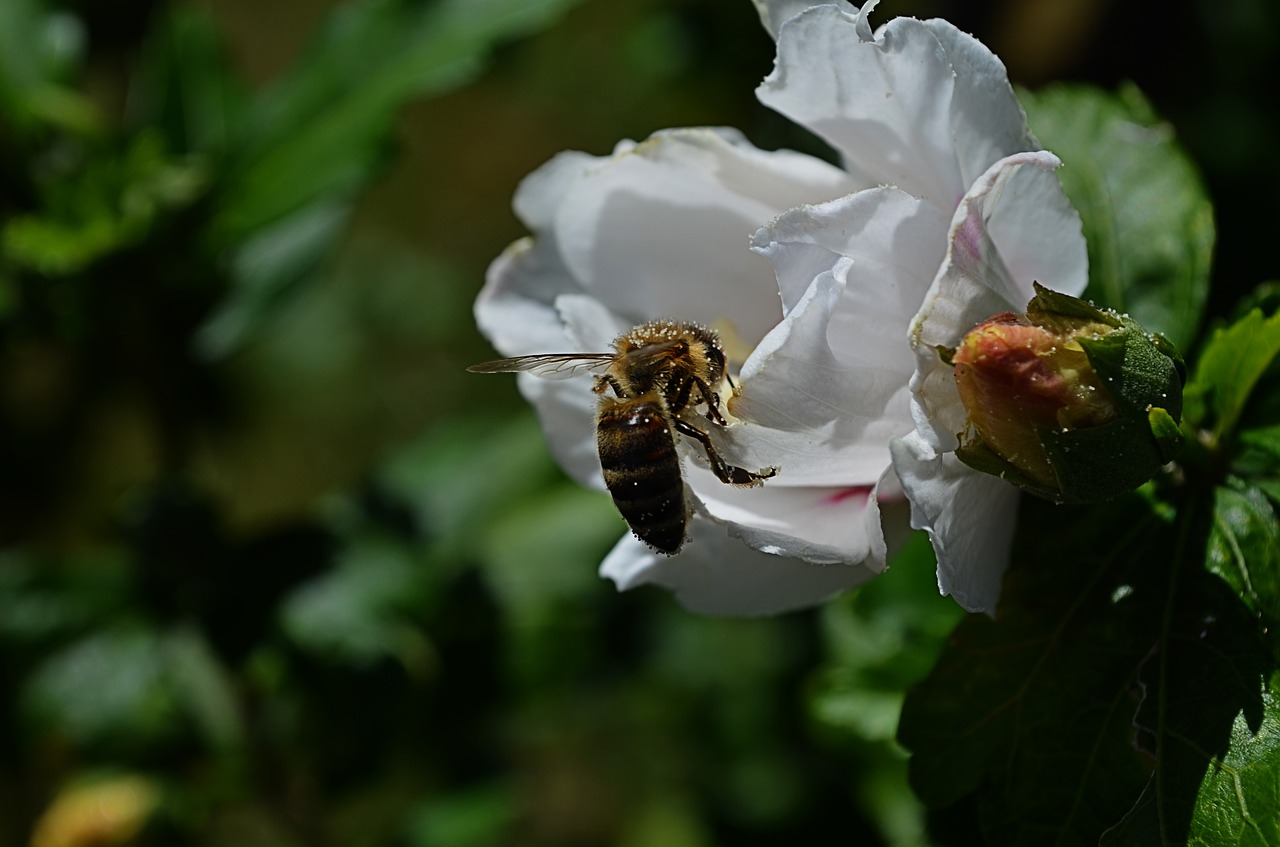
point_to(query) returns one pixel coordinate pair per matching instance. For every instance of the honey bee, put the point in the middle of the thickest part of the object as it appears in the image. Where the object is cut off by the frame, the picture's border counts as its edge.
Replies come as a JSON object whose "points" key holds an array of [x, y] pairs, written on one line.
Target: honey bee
{"points": [[660, 373]]}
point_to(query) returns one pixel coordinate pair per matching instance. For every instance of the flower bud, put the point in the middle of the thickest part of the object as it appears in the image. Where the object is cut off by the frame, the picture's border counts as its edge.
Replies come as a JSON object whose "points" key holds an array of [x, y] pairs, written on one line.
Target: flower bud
{"points": [[1070, 402]]}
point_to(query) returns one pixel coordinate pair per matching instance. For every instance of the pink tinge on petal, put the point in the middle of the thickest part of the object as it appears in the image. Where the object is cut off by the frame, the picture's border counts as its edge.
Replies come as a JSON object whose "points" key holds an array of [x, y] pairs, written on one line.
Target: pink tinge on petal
{"points": [[858, 493], [968, 240]]}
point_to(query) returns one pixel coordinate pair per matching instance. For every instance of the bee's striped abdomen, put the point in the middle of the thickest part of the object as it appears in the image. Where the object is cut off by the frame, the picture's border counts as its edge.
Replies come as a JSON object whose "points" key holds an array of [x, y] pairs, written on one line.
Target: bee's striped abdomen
{"points": [[642, 471]]}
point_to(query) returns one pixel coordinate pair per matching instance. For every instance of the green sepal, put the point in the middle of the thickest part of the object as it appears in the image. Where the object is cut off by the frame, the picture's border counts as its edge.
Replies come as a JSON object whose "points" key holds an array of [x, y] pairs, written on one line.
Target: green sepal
{"points": [[1137, 375], [1048, 308], [1167, 433], [977, 455], [1091, 465], [1103, 462]]}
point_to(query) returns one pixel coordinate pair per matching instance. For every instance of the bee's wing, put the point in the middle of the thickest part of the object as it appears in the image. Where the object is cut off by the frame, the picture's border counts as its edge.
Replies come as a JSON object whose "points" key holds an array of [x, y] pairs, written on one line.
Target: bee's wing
{"points": [[652, 355], [548, 365]]}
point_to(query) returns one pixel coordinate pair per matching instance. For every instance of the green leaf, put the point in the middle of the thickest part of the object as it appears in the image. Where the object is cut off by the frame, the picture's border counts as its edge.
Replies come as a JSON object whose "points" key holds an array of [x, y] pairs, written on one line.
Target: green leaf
{"points": [[184, 85], [264, 267], [1146, 216], [108, 689], [882, 639], [471, 818], [1030, 716], [306, 147], [1239, 800], [44, 598], [39, 51], [107, 202], [462, 475], [1230, 366], [360, 612], [323, 129], [1101, 704], [1244, 547], [205, 688], [1202, 705], [541, 554]]}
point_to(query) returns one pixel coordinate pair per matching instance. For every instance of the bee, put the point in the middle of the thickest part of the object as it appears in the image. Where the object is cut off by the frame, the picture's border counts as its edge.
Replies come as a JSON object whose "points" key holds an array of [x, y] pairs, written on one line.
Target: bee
{"points": [[659, 374]]}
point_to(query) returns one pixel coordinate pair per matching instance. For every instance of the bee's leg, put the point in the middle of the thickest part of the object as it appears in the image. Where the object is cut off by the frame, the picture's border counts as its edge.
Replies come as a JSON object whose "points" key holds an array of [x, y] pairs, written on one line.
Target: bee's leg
{"points": [[712, 400], [727, 473], [677, 395], [604, 382]]}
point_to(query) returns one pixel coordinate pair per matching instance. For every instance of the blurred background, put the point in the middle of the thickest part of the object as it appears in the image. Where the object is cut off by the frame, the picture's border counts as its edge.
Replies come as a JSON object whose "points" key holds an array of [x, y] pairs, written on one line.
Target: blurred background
{"points": [[274, 570]]}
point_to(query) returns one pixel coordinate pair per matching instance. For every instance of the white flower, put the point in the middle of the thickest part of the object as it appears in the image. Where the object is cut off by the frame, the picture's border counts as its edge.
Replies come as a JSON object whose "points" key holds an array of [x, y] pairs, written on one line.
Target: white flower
{"points": [[938, 203]]}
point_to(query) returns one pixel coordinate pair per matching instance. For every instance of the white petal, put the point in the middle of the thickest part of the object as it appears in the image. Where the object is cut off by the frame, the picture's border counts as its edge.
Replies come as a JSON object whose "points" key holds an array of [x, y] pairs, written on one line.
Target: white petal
{"points": [[893, 510], [774, 13], [516, 309], [715, 574], [987, 121], [892, 105], [822, 422], [567, 411], [822, 525], [1014, 226], [541, 193], [660, 229], [896, 243], [521, 312], [883, 104], [827, 388], [970, 518]]}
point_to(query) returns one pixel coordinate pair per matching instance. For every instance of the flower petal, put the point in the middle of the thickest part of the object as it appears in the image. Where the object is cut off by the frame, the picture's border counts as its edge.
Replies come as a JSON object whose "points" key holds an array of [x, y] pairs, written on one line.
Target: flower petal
{"points": [[516, 309], [987, 121], [827, 388], [774, 13], [521, 312], [891, 104], [821, 525], [1014, 227], [715, 574], [658, 230], [896, 243], [970, 518]]}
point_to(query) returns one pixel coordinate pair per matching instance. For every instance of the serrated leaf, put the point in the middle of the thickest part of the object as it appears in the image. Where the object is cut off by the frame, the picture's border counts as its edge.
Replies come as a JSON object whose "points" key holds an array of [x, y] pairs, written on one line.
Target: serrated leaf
{"points": [[1238, 804], [1107, 691], [1230, 366], [1147, 218], [1030, 715], [1202, 696], [1244, 547]]}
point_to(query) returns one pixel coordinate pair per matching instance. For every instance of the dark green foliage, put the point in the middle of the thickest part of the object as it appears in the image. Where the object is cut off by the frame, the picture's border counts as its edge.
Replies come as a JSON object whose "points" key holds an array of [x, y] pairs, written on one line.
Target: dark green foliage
{"points": [[268, 552], [1147, 219]]}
